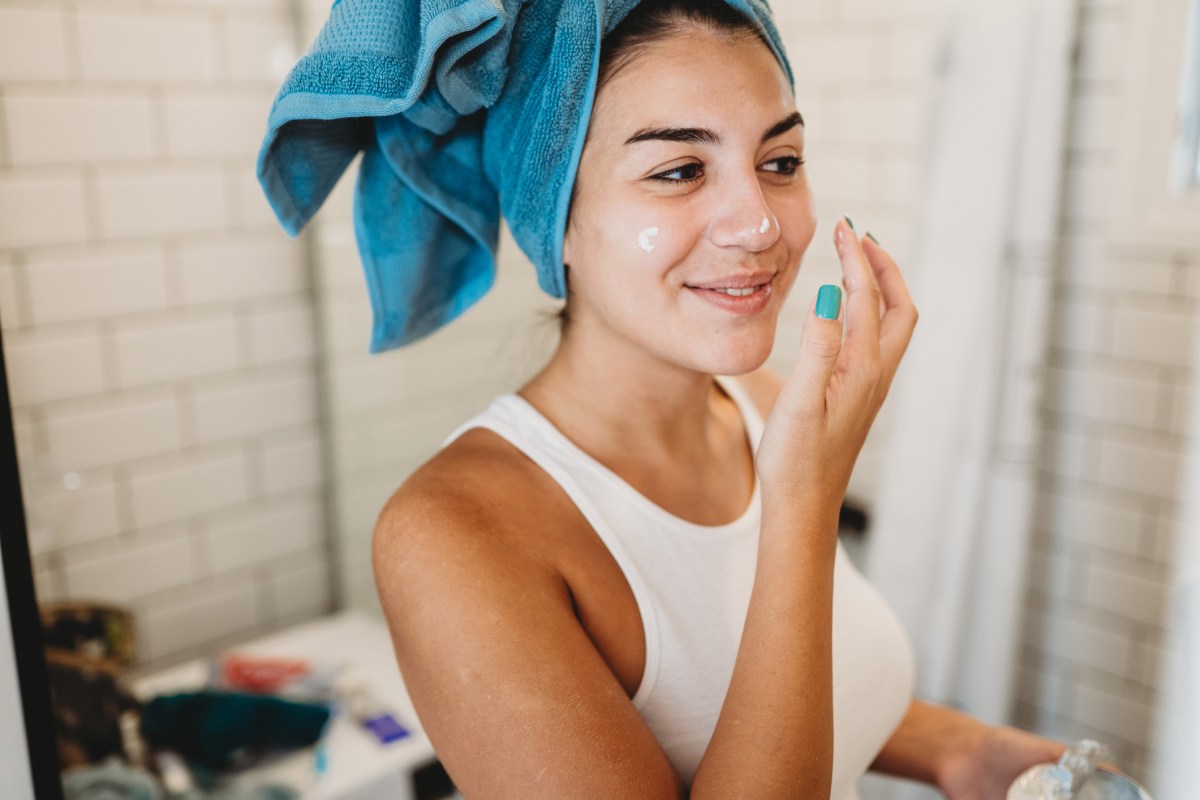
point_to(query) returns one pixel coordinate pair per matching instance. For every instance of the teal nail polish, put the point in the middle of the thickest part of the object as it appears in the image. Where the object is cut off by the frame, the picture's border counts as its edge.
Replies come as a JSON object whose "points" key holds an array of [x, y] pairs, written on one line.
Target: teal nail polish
{"points": [[849, 221], [872, 238], [829, 301]]}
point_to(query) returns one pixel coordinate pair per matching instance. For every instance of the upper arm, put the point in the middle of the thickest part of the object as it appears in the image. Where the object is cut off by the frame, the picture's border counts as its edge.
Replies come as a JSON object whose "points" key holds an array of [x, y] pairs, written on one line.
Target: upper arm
{"points": [[515, 698]]}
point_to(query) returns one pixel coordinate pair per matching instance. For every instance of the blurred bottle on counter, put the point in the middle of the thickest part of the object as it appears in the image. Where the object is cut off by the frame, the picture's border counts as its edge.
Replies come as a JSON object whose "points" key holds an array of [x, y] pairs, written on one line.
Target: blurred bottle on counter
{"points": [[1076, 776]]}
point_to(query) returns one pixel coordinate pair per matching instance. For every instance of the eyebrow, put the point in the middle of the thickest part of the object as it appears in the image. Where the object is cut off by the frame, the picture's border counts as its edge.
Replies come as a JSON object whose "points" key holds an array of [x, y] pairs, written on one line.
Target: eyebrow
{"points": [[707, 136]]}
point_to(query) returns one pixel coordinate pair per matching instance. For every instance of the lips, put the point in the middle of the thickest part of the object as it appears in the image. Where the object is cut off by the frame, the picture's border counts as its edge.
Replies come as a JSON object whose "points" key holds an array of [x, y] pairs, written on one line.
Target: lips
{"points": [[737, 280], [752, 303]]}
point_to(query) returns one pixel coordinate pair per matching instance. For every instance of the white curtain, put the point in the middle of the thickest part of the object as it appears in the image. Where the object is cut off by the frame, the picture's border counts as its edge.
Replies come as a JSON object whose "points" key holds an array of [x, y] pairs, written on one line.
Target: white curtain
{"points": [[950, 528], [1175, 771]]}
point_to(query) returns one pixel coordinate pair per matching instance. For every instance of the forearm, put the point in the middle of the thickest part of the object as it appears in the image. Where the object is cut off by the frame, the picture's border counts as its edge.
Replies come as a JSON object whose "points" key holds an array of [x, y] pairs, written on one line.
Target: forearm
{"points": [[774, 736], [927, 742]]}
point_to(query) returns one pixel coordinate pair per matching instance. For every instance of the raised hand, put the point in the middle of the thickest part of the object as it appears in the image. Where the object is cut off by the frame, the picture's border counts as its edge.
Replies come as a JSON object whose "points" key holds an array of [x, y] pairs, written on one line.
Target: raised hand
{"points": [[829, 401]]}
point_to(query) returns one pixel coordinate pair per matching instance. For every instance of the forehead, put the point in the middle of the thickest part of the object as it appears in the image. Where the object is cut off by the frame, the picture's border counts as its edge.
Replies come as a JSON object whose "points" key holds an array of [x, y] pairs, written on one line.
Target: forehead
{"points": [[696, 77]]}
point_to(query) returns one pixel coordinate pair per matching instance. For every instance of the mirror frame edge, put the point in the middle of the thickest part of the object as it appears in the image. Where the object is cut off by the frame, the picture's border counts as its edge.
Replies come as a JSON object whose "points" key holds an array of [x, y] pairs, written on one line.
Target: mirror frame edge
{"points": [[28, 650]]}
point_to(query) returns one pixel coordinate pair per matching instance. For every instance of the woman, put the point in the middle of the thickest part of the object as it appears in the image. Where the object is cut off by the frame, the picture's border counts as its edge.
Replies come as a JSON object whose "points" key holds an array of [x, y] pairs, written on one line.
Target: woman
{"points": [[618, 581]]}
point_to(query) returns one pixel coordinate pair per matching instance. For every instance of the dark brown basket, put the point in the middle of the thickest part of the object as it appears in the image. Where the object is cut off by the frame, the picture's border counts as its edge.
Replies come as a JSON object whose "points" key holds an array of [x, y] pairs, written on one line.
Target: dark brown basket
{"points": [[90, 630]]}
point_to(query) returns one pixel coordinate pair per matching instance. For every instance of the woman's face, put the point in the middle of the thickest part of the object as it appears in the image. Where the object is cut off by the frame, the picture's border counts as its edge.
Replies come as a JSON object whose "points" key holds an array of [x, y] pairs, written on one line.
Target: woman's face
{"points": [[653, 219]]}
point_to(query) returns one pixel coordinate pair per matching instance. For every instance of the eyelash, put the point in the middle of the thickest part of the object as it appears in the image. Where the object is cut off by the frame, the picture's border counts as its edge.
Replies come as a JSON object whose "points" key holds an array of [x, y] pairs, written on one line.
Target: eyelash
{"points": [[796, 163]]}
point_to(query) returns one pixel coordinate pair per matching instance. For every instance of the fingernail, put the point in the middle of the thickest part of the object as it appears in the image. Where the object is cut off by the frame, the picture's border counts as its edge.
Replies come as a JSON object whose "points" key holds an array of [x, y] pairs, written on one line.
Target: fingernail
{"points": [[849, 221], [872, 238], [829, 301]]}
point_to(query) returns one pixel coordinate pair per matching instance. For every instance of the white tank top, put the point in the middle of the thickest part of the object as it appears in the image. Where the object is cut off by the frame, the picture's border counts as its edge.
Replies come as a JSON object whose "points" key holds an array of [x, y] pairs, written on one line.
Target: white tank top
{"points": [[692, 585]]}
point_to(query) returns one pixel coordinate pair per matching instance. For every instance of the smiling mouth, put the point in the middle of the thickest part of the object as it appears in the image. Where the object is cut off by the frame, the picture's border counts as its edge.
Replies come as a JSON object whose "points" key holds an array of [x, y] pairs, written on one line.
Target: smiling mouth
{"points": [[734, 292], [737, 284], [739, 300]]}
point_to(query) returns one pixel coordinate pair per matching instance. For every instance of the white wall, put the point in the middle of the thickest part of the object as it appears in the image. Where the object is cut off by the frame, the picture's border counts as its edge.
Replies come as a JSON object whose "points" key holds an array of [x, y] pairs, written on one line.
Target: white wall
{"points": [[157, 323], [1118, 386], [1115, 430], [1119, 382]]}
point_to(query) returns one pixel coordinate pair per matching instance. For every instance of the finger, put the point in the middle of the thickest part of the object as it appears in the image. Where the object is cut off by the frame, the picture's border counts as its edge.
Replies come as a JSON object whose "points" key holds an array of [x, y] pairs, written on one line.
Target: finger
{"points": [[898, 312], [862, 294], [893, 289], [820, 345]]}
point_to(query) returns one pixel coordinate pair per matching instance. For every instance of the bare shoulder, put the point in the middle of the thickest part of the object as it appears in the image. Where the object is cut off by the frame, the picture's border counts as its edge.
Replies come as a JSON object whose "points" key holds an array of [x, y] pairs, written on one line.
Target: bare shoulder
{"points": [[473, 493], [763, 385]]}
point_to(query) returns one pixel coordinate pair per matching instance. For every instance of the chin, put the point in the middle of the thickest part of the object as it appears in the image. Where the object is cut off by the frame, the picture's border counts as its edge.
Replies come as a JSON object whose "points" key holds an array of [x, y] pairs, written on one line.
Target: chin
{"points": [[734, 353]]}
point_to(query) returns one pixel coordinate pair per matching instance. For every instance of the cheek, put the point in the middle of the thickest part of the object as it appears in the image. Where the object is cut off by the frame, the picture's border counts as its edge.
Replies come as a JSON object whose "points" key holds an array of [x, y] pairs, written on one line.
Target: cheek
{"points": [[646, 237], [633, 236], [658, 241], [799, 224], [652, 236]]}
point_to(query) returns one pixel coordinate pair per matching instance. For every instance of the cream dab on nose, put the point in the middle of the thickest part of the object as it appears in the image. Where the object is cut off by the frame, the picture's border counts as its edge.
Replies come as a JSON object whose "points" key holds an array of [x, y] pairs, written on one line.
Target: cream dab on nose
{"points": [[766, 225], [643, 238]]}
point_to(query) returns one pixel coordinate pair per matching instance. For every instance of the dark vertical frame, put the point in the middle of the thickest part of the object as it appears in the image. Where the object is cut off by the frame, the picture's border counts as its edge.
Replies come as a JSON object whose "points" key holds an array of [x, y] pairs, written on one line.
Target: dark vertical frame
{"points": [[23, 612]]}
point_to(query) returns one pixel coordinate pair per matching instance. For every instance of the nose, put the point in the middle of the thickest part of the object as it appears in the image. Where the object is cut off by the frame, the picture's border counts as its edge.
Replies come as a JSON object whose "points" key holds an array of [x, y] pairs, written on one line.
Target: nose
{"points": [[744, 218]]}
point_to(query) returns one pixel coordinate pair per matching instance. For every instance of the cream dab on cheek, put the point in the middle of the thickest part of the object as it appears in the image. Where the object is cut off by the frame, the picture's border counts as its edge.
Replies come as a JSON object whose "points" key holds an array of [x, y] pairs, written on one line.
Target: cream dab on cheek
{"points": [[643, 238]]}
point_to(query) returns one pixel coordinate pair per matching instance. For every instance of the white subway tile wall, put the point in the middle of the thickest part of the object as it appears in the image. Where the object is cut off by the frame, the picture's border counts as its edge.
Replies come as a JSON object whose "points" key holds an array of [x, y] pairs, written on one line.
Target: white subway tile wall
{"points": [[1118, 385], [158, 323], [43, 207], [33, 42]]}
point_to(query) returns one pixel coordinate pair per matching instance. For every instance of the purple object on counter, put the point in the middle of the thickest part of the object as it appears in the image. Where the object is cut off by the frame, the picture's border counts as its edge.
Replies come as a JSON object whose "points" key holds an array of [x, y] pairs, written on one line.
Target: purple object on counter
{"points": [[386, 728]]}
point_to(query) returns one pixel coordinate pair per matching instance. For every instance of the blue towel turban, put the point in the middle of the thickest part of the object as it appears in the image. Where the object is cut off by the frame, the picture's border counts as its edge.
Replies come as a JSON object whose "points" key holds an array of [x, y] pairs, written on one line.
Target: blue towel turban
{"points": [[463, 109]]}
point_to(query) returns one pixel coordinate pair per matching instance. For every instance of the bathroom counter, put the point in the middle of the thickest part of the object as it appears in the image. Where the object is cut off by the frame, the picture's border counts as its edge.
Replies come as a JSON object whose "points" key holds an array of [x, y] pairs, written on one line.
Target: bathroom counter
{"points": [[358, 767]]}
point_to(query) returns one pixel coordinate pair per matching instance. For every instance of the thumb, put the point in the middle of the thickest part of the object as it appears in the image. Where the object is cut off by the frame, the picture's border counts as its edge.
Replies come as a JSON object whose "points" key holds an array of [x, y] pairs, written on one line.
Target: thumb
{"points": [[820, 345]]}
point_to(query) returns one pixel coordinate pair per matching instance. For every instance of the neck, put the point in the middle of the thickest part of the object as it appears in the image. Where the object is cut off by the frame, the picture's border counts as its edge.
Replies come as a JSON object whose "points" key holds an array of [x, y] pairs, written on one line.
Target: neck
{"points": [[607, 390]]}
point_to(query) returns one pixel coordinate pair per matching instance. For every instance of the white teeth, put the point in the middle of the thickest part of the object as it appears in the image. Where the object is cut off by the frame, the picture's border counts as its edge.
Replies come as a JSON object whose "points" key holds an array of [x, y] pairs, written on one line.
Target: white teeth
{"points": [[737, 292]]}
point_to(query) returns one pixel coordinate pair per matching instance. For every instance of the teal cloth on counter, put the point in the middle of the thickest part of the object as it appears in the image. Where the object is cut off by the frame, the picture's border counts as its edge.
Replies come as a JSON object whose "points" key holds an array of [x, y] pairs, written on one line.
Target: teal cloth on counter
{"points": [[462, 110], [218, 730]]}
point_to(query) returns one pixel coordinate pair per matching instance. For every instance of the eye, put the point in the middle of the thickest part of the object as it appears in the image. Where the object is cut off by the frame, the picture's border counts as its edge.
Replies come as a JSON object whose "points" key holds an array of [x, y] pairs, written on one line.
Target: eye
{"points": [[662, 175], [788, 164]]}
